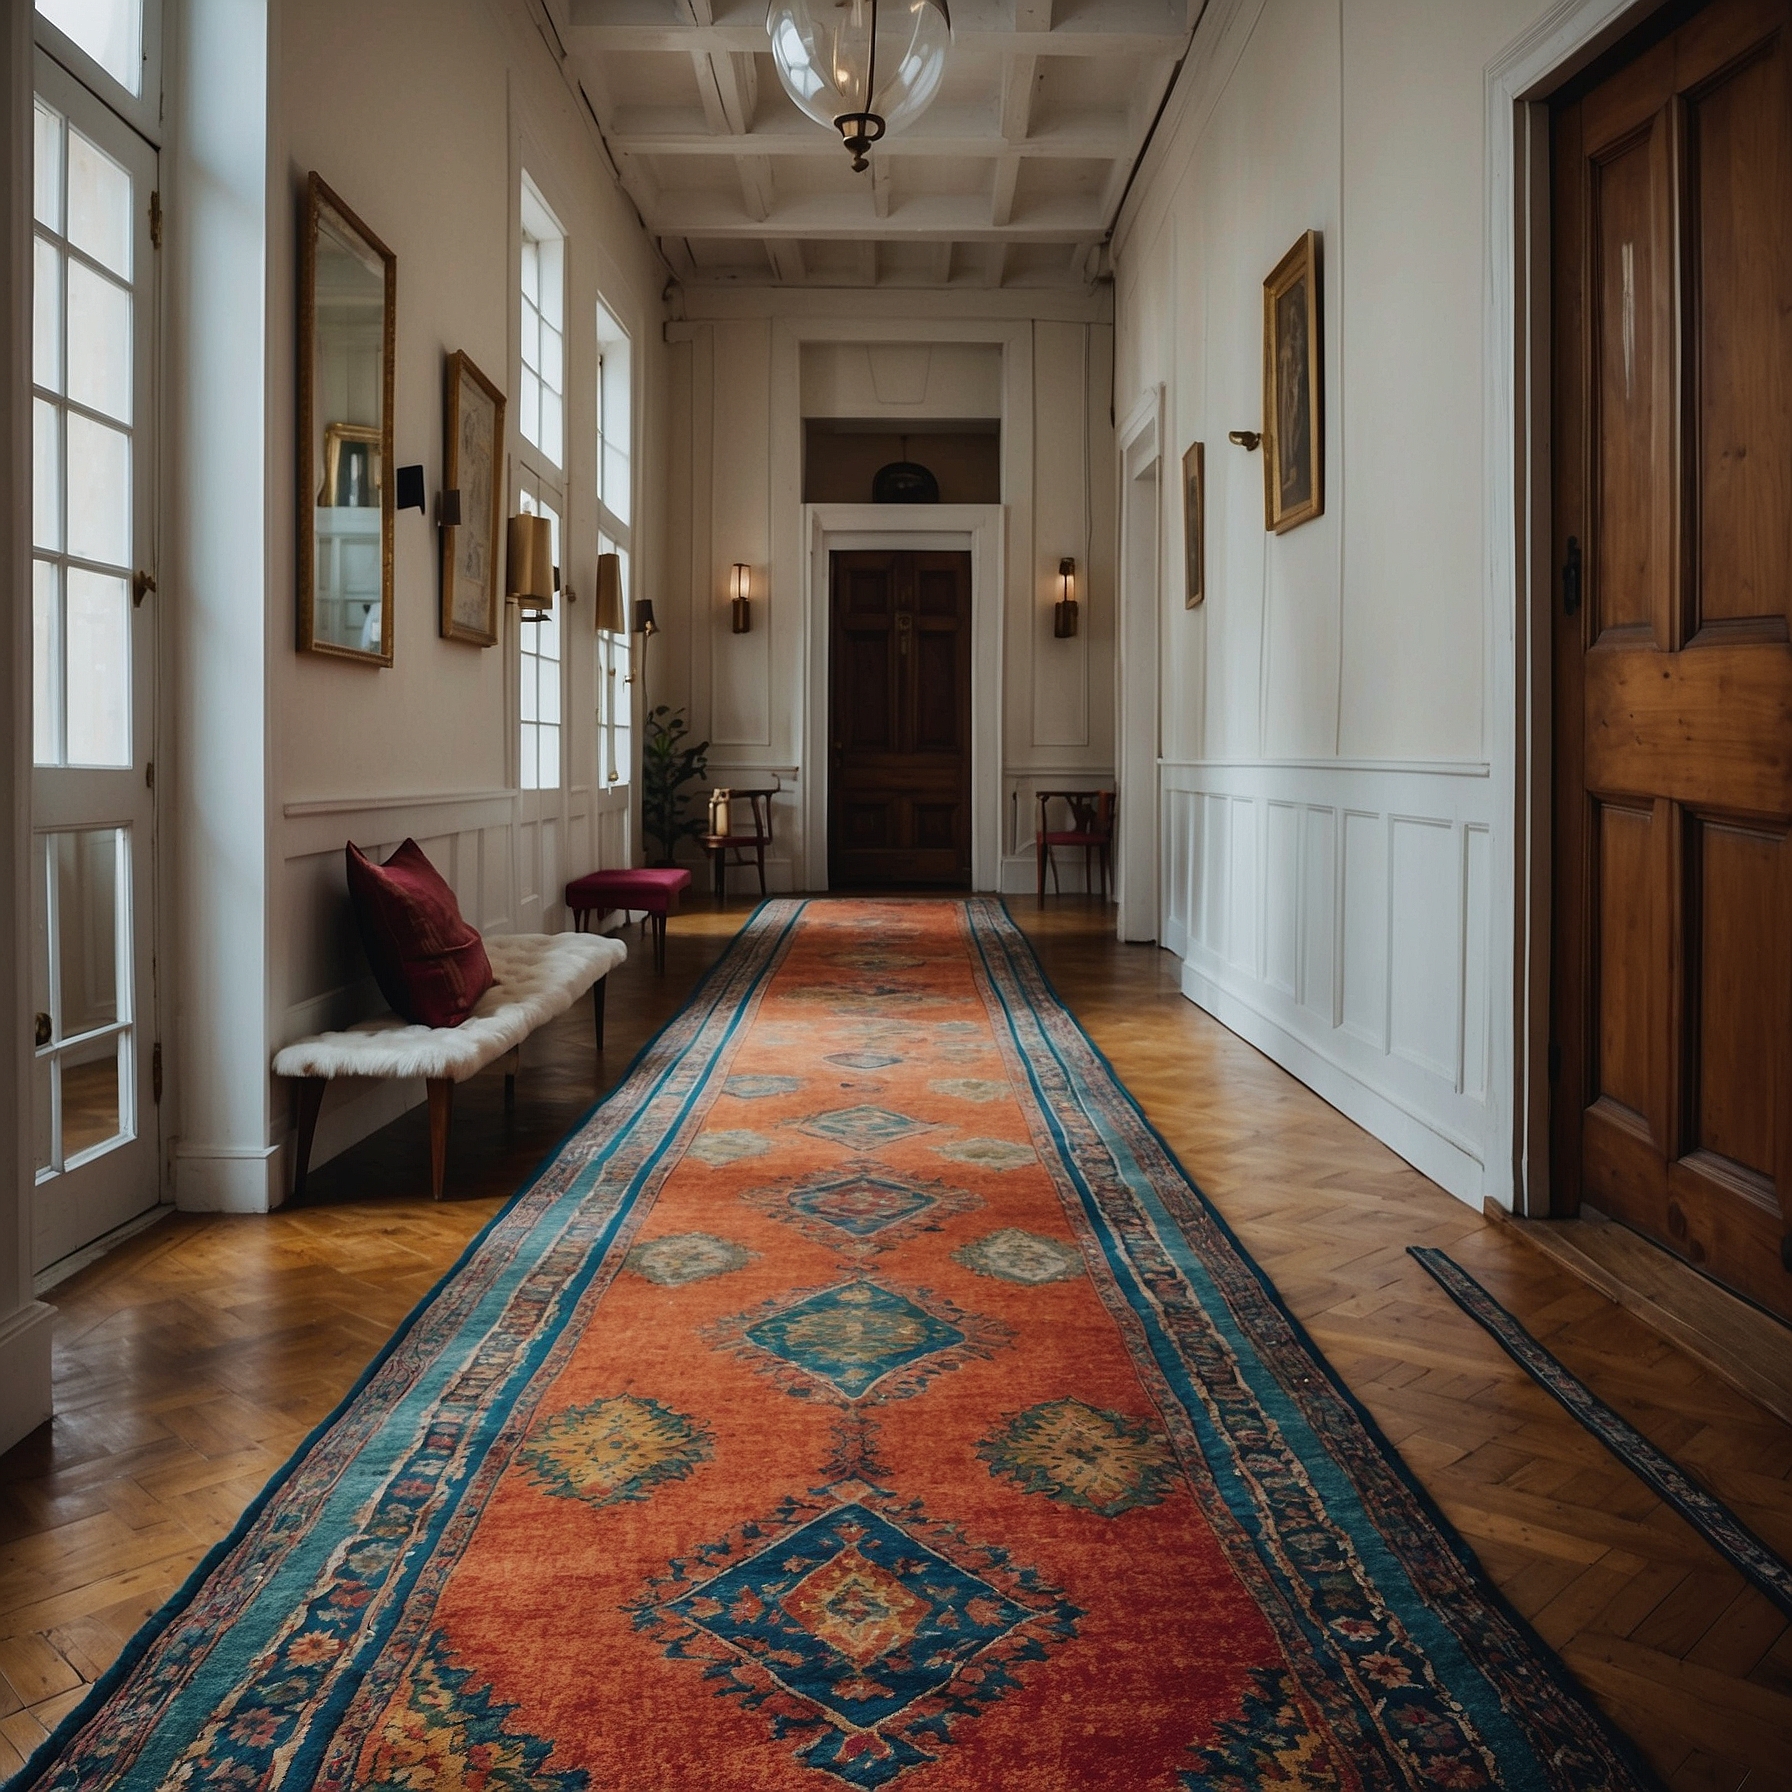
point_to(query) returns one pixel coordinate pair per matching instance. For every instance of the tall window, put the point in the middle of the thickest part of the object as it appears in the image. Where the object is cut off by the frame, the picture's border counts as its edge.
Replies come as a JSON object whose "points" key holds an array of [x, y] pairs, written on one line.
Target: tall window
{"points": [[614, 421], [110, 31], [541, 385]]}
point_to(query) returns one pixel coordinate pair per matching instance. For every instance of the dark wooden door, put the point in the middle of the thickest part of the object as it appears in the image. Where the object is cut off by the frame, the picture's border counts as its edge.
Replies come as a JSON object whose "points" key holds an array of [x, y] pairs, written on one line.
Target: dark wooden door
{"points": [[899, 782], [1672, 999]]}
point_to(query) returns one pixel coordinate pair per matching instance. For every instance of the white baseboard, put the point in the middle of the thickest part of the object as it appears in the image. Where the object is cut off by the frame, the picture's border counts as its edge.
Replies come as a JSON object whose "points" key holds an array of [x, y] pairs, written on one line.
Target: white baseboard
{"points": [[229, 1178], [25, 1401], [1427, 1150]]}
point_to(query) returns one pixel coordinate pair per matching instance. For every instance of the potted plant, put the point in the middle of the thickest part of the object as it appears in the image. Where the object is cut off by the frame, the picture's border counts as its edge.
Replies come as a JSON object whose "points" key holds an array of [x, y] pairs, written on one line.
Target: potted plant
{"points": [[668, 766]]}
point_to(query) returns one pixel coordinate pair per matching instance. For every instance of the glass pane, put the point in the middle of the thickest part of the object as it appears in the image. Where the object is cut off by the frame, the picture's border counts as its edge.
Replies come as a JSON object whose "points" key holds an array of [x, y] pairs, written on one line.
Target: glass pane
{"points": [[43, 1125], [110, 31], [46, 664], [47, 162], [547, 766], [528, 687], [99, 669], [553, 370], [99, 205], [547, 697], [46, 475], [99, 492], [531, 419], [552, 285], [615, 476], [99, 342], [90, 1110], [550, 424], [531, 336], [527, 771], [531, 272], [84, 877], [46, 318]]}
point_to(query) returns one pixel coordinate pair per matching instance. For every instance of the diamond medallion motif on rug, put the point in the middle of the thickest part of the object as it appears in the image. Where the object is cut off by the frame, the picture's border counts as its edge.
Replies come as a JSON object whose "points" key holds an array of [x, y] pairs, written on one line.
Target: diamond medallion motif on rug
{"points": [[864, 1128], [682, 1257], [859, 1340], [1099, 1461], [614, 1450], [1012, 1255], [861, 1204], [862, 1060], [871, 1634]]}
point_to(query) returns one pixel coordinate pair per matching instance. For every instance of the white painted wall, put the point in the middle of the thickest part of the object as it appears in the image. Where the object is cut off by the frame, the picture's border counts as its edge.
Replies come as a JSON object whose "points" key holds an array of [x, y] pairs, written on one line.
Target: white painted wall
{"points": [[1332, 825], [422, 115], [746, 368]]}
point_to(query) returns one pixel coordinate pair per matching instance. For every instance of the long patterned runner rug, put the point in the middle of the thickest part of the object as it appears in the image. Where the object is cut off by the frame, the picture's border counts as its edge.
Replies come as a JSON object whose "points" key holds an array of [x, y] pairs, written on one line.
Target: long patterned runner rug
{"points": [[862, 1396]]}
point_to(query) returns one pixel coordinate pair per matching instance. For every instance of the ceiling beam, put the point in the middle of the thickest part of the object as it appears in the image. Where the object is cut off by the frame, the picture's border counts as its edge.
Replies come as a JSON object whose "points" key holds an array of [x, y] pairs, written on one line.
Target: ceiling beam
{"points": [[995, 264], [922, 217], [751, 40], [939, 268], [1032, 15], [1001, 198], [1080, 143], [865, 272], [756, 191], [786, 256], [1019, 78], [880, 186]]}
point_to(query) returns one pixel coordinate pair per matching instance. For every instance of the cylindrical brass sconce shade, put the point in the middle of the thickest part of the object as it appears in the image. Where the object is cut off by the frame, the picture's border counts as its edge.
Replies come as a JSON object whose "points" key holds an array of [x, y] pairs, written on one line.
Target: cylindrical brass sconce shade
{"points": [[529, 573], [610, 616], [1064, 612], [739, 590]]}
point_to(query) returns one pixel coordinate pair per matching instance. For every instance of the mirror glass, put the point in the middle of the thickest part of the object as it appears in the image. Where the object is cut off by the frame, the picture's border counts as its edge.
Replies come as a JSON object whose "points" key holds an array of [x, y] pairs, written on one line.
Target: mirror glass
{"points": [[345, 526]]}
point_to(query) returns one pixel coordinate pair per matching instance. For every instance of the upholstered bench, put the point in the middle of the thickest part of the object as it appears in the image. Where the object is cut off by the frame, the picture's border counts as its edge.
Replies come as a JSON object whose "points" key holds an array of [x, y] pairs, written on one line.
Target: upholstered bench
{"points": [[539, 975], [653, 889]]}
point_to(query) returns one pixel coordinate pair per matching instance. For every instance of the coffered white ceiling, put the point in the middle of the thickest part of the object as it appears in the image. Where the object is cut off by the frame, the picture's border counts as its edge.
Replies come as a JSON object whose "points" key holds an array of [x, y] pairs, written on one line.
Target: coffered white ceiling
{"points": [[1011, 177]]}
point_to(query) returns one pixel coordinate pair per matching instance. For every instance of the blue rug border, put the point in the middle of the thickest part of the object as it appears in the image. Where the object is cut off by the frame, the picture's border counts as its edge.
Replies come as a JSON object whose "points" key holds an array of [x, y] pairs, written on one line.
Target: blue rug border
{"points": [[1453, 1539], [145, 1636], [1427, 1256]]}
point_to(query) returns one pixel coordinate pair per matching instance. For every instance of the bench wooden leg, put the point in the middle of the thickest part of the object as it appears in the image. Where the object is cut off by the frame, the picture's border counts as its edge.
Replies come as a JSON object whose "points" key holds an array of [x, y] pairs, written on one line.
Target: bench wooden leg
{"points": [[597, 1011], [441, 1111], [512, 1065], [311, 1098]]}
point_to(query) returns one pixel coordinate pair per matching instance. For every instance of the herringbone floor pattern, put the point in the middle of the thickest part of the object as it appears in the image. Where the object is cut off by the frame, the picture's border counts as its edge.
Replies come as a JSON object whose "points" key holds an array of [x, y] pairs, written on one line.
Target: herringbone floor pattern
{"points": [[194, 1358]]}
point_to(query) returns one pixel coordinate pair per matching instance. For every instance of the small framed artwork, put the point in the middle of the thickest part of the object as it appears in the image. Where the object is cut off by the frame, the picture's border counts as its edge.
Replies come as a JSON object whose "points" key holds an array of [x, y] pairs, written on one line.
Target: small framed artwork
{"points": [[1293, 390], [352, 470], [1194, 521], [471, 461]]}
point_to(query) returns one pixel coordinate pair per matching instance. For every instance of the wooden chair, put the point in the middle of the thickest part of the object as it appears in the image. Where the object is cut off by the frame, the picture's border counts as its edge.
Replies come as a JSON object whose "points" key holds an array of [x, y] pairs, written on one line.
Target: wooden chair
{"points": [[1091, 827], [725, 837]]}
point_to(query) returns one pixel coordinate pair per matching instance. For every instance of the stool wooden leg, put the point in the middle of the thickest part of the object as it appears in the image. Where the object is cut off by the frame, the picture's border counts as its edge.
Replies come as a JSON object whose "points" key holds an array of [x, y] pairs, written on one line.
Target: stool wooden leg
{"points": [[311, 1098], [659, 944], [1039, 854], [597, 1010], [441, 1111]]}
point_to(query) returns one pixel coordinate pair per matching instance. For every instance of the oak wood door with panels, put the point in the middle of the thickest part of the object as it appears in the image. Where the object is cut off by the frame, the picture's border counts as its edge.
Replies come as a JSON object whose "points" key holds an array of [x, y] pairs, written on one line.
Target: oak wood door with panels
{"points": [[899, 721], [1672, 1001]]}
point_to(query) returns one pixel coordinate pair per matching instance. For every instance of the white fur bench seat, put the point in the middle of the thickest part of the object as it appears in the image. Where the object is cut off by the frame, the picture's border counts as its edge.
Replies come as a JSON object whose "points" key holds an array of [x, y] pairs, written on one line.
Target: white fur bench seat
{"points": [[539, 976]]}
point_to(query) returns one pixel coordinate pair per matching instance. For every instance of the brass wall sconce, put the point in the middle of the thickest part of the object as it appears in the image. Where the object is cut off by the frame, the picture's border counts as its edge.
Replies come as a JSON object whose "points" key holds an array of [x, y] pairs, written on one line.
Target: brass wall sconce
{"points": [[1065, 610], [531, 577], [610, 617], [740, 607], [1247, 439]]}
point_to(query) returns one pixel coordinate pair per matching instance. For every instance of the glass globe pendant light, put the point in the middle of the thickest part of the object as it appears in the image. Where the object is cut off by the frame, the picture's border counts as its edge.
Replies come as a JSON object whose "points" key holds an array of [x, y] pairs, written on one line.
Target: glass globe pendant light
{"points": [[863, 67]]}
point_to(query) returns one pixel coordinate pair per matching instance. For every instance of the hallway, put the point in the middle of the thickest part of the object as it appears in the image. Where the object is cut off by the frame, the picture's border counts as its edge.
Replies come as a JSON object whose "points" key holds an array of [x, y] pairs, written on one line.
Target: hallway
{"points": [[193, 1360]]}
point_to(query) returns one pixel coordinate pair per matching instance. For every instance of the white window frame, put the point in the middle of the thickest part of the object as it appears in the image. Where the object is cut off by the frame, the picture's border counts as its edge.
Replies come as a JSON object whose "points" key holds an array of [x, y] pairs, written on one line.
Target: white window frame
{"points": [[541, 480], [615, 510], [141, 111]]}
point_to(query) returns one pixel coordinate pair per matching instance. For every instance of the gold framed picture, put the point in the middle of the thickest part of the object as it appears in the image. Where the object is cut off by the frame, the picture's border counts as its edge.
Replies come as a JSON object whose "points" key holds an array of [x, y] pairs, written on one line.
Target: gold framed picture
{"points": [[1293, 390], [471, 462], [1194, 522]]}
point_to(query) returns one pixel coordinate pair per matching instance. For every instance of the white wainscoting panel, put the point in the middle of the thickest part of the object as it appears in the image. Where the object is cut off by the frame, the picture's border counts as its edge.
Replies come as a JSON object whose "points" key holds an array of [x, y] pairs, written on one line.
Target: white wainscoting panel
{"points": [[1336, 914]]}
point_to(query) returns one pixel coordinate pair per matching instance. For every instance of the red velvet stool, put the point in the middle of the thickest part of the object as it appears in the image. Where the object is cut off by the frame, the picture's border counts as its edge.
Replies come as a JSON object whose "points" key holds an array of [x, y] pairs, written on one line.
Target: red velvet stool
{"points": [[651, 888]]}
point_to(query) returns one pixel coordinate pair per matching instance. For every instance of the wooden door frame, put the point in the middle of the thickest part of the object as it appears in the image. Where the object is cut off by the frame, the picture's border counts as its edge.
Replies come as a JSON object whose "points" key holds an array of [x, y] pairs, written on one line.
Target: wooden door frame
{"points": [[1520, 569], [976, 529]]}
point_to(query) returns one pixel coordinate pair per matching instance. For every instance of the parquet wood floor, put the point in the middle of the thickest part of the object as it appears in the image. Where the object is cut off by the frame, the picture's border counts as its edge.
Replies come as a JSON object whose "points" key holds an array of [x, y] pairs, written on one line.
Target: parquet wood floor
{"points": [[194, 1358]]}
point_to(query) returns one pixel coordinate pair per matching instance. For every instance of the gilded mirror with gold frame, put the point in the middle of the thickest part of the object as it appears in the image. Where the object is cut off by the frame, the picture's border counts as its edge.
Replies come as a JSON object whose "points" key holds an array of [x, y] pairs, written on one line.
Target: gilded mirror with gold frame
{"points": [[348, 282]]}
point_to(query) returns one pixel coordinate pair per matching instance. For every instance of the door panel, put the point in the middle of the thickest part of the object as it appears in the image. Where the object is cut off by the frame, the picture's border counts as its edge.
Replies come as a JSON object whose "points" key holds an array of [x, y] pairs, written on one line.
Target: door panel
{"points": [[1672, 1003], [899, 803]]}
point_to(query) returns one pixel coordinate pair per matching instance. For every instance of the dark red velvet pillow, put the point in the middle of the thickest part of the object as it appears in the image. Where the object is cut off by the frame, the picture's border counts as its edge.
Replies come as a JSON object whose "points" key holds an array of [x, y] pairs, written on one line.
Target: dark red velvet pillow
{"points": [[430, 964]]}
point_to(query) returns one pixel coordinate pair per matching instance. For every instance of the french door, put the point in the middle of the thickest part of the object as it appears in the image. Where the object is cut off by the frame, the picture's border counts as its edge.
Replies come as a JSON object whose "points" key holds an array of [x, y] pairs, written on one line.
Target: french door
{"points": [[96, 1069], [1673, 644]]}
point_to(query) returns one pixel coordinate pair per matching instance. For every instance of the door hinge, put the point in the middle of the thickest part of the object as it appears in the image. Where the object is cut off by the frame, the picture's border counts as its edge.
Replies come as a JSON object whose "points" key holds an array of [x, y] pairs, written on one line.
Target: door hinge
{"points": [[155, 1073], [1571, 578], [142, 584], [1555, 1060], [155, 218]]}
